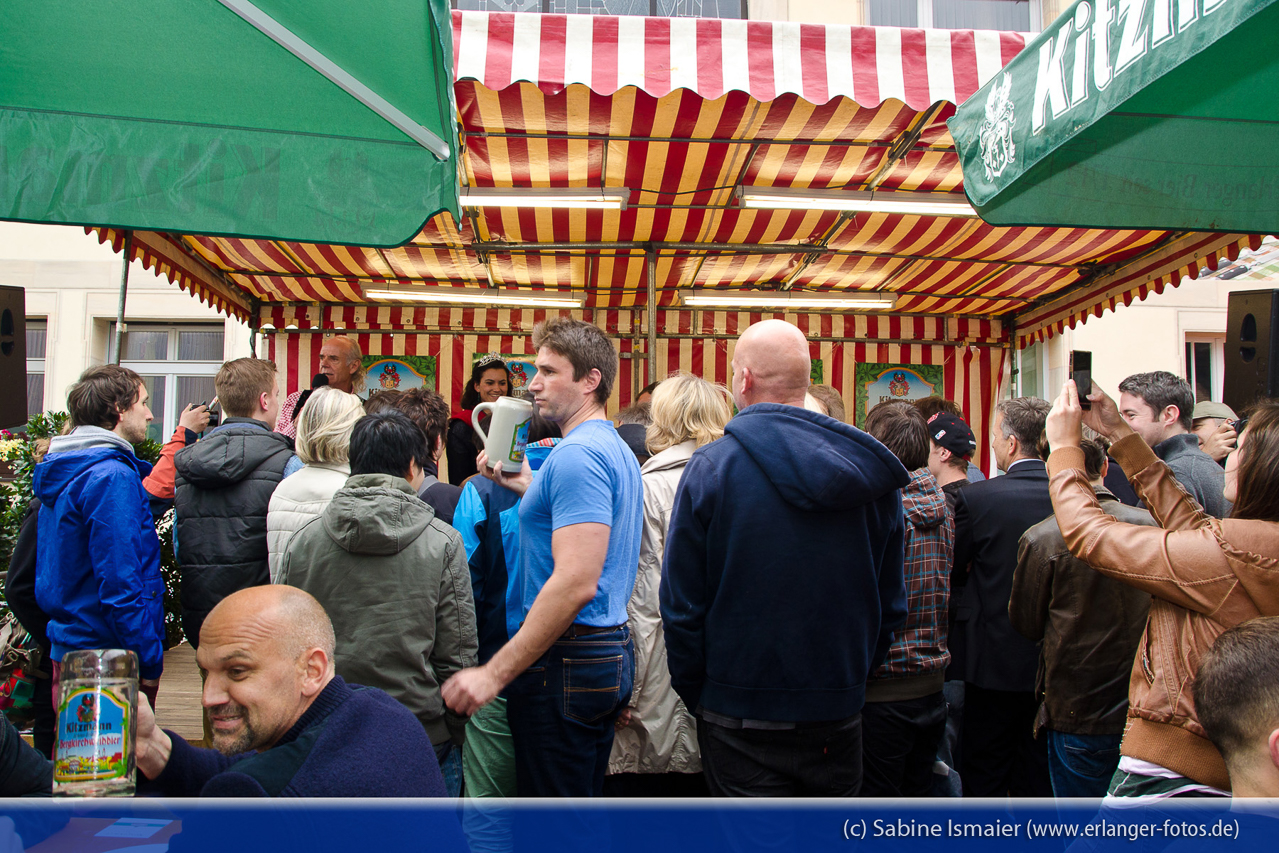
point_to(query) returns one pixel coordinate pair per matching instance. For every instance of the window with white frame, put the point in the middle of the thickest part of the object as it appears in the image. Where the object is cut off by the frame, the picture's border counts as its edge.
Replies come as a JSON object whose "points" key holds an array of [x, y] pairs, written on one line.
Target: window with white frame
{"points": [[177, 364], [1205, 365], [1030, 371], [1023, 16], [37, 339]]}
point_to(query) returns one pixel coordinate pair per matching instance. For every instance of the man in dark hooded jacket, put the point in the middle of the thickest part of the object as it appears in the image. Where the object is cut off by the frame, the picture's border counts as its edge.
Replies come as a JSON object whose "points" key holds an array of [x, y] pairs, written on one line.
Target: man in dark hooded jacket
{"points": [[223, 486], [782, 582]]}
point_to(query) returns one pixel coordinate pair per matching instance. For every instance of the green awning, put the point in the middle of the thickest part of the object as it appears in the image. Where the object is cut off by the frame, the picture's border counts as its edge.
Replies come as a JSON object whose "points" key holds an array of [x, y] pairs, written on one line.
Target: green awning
{"points": [[337, 127], [1152, 114]]}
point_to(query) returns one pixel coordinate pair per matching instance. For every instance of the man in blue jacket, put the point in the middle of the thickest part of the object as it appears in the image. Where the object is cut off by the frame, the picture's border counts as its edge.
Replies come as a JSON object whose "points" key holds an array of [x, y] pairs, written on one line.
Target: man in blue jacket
{"points": [[783, 581], [98, 556]]}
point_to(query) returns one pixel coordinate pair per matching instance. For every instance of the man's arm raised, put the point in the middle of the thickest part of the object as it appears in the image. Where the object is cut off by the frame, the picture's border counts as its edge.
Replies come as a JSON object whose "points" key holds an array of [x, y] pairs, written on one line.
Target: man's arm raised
{"points": [[579, 551]]}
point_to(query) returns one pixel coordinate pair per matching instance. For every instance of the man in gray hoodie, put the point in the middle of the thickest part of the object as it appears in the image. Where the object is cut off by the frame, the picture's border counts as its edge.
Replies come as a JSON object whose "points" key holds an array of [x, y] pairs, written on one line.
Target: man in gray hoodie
{"points": [[394, 580]]}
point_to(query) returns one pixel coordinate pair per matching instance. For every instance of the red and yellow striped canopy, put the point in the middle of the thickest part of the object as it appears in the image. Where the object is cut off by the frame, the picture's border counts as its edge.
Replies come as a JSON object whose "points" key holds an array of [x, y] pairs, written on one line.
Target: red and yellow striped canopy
{"points": [[682, 112]]}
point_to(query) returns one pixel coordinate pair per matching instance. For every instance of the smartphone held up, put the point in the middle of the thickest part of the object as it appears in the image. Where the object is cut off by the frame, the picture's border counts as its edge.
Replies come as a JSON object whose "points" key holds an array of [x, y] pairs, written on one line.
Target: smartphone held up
{"points": [[1081, 372]]}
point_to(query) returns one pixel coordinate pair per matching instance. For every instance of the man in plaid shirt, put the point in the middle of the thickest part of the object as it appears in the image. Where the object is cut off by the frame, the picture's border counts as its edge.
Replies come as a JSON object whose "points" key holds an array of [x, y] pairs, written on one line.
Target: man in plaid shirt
{"points": [[905, 714]]}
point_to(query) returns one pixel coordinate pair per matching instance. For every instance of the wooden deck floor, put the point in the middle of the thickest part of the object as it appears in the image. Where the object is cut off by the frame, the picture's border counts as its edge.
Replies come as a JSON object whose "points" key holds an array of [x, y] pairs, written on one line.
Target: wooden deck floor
{"points": [[179, 698]]}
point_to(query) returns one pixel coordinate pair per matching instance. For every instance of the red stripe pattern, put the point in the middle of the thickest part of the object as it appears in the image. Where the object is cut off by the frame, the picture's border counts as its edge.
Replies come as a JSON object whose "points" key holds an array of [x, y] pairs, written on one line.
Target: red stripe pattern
{"points": [[712, 57], [972, 352]]}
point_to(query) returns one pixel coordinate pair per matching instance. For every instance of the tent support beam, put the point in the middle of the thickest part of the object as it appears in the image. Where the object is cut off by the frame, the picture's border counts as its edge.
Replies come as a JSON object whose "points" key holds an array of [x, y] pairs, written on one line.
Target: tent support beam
{"points": [[120, 327], [650, 261], [672, 288], [696, 140], [503, 248], [631, 309], [295, 45], [678, 336]]}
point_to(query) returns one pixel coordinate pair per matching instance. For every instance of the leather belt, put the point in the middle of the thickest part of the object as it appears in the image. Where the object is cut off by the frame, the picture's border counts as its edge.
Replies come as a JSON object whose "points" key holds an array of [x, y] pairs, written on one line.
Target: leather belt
{"points": [[574, 631]]}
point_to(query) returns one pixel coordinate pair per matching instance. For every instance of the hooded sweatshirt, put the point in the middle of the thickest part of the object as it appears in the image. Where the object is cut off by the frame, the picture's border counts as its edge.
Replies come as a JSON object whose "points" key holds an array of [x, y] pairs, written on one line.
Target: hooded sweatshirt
{"points": [[224, 485], [394, 580], [98, 561], [488, 517], [782, 582]]}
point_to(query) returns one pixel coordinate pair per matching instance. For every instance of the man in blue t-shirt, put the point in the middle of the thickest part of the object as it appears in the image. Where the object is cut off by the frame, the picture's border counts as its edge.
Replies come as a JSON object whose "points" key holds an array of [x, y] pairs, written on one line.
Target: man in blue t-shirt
{"points": [[567, 671]]}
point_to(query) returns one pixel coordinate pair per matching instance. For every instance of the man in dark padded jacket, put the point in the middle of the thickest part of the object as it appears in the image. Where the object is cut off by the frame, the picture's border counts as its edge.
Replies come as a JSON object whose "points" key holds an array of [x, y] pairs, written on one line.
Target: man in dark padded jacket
{"points": [[284, 724], [223, 486]]}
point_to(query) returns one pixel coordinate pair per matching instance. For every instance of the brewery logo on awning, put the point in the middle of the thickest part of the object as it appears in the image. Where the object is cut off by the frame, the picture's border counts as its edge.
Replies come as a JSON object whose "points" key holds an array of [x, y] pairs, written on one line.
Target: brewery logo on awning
{"points": [[996, 135]]}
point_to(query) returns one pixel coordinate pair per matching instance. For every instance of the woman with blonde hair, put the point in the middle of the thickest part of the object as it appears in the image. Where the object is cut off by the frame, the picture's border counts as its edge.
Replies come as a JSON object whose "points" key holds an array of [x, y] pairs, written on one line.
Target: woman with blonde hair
{"points": [[323, 444], [657, 734]]}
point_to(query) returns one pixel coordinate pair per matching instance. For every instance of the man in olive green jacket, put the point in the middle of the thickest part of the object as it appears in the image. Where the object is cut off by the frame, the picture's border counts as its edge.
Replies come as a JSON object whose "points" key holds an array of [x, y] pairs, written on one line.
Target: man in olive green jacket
{"points": [[394, 580]]}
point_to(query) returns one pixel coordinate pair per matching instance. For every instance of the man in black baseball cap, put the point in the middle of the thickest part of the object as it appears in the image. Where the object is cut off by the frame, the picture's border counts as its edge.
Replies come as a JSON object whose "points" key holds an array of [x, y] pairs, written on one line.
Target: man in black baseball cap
{"points": [[953, 445]]}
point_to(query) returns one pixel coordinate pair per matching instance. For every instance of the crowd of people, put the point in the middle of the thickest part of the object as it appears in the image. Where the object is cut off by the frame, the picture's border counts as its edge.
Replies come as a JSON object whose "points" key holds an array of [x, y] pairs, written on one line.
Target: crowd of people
{"points": [[691, 602]]}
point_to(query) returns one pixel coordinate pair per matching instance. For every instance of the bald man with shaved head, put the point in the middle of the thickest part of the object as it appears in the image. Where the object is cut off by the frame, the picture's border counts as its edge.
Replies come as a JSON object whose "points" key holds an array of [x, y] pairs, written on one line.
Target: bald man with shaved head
{"points": [[782, 582], [284, 724]]}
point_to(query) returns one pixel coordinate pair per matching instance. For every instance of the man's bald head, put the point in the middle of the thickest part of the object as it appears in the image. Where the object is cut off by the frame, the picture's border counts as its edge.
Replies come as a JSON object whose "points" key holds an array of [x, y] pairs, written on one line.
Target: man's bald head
{"points": [[267, 653], [290, 617], [771, 365]]}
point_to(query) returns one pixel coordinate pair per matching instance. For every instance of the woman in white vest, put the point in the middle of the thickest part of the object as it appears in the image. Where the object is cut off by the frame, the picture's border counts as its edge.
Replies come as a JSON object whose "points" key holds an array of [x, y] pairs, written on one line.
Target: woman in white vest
{"points": [[655, 748], [323, 444]]}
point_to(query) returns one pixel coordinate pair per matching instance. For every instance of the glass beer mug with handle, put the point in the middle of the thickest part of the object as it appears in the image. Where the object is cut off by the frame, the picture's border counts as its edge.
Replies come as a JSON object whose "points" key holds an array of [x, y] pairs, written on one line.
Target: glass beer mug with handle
{"points": [[97, 706]]}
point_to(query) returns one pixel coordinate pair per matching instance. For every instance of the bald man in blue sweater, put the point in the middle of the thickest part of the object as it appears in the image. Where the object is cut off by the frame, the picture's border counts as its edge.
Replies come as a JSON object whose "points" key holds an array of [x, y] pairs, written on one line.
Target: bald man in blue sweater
{"points": [[284, 724]]}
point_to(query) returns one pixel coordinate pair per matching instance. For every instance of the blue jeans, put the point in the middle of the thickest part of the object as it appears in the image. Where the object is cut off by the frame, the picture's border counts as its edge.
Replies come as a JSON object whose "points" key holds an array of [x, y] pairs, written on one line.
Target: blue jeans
{"points": [[561, 711], [450, 758], [1081, 765]]}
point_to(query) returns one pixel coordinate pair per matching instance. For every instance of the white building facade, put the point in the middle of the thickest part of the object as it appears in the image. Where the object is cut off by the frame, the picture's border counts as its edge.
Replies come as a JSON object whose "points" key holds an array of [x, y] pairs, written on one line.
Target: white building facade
{"points": [[72, 286]]}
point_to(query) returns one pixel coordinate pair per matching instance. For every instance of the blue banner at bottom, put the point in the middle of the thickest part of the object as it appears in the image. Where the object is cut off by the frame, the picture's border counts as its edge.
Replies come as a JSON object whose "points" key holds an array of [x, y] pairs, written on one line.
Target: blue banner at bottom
{"points": [[664, 826]]}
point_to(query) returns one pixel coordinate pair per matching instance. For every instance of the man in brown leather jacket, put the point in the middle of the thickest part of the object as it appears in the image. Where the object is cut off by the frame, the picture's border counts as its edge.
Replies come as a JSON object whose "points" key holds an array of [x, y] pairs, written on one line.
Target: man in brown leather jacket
{"points": [[1089, 627]]}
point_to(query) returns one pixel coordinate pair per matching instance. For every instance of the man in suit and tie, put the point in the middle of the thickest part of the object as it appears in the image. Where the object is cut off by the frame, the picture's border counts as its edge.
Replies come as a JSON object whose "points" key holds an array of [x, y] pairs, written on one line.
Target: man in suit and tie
{"points": [[1001, 756]]}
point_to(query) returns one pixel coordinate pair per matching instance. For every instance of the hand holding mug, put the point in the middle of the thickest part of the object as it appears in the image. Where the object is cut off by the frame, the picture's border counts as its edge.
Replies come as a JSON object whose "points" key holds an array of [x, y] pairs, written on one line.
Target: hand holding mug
{"points": [[517, 482]]}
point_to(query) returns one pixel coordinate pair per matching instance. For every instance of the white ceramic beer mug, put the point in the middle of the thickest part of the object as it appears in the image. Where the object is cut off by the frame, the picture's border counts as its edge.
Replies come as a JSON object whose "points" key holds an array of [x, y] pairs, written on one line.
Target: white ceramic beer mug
{"points": [[507, 433]]}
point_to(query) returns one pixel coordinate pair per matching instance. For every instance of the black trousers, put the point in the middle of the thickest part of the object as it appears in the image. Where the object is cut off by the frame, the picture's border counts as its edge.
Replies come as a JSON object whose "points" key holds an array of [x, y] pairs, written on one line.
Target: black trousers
{"points": [[815, 760], [655, 785], [45, 723], [899, 745], [1001, 755]]}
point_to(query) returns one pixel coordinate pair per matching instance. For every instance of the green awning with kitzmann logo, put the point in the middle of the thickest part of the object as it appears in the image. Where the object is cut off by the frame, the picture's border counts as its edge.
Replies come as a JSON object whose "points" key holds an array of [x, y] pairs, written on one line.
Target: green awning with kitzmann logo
{"points": [[324, 121], [1154, 114]]}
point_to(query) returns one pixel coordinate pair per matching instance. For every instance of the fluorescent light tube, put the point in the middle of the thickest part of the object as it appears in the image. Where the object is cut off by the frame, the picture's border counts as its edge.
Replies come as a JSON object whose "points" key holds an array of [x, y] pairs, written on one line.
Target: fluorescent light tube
{"points": [[476, 296], [583, 198], [923, 204], [786, 300]]}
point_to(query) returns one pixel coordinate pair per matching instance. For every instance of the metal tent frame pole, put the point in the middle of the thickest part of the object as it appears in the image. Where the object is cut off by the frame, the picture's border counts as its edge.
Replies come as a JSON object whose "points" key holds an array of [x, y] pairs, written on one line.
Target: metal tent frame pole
{"points": [[650, 261], [124, 292]]}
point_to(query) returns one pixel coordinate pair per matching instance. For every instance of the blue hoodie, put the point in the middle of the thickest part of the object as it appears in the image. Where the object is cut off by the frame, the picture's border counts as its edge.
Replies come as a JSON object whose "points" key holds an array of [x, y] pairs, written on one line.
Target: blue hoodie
{"points": [[98, 558], [488, 517], [782, 582]]}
